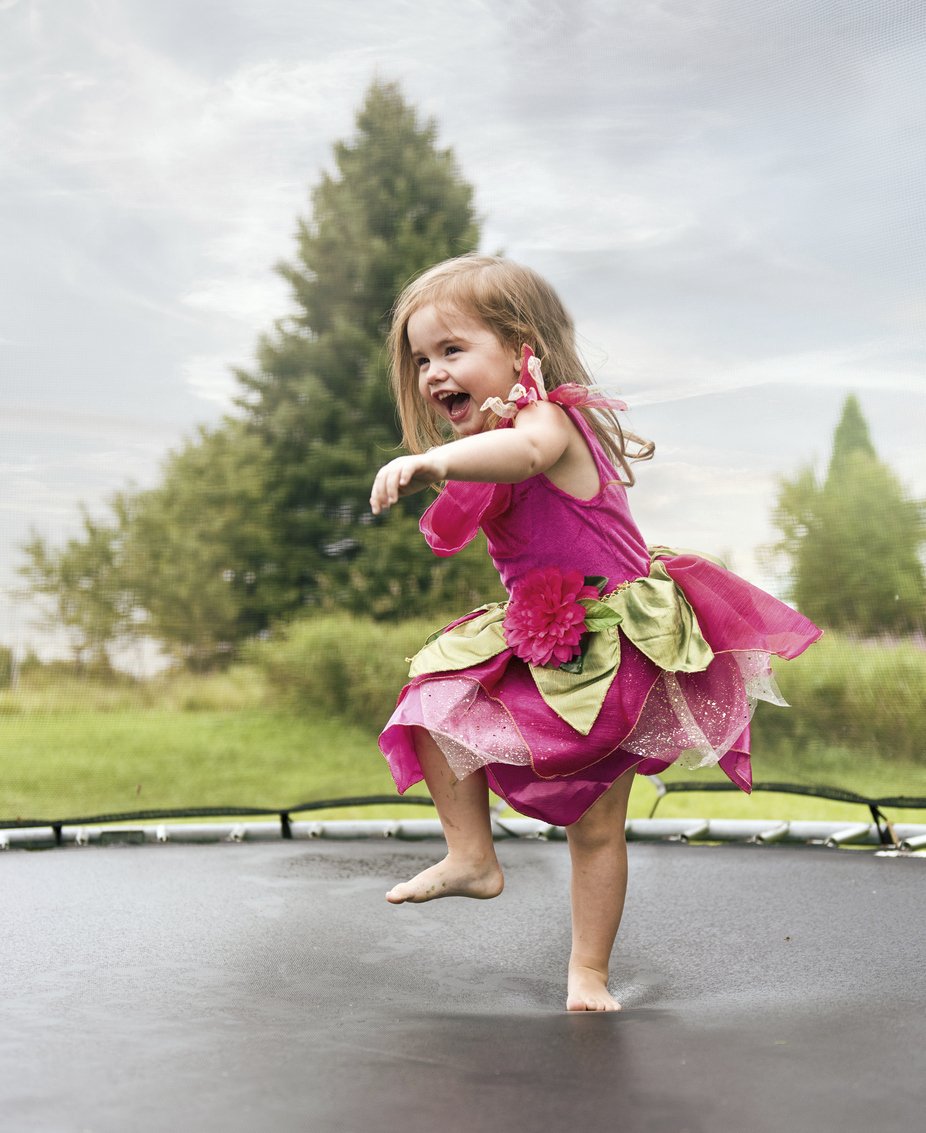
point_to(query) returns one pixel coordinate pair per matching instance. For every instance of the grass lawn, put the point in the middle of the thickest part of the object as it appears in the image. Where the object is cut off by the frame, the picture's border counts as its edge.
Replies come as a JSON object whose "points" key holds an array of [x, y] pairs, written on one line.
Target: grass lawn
{"points": [[75, 763], [70, 762]]}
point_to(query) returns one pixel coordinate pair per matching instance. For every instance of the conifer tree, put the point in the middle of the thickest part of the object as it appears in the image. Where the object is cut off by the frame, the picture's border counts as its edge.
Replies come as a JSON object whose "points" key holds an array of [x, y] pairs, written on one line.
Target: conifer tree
{"points": [[267, 515], [853, 542], [319, 399], [851, 438]]}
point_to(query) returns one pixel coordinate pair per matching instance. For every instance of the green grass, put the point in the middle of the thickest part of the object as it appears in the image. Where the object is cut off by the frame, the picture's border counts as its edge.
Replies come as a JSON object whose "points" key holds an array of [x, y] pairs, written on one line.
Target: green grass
{"points": [[55, 689], [91, 762], [299, 722], [72, 762]]}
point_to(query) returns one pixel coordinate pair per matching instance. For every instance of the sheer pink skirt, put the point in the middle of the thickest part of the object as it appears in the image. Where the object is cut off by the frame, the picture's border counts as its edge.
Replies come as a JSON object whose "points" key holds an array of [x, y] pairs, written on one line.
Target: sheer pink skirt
{"points": [[491, 716]]}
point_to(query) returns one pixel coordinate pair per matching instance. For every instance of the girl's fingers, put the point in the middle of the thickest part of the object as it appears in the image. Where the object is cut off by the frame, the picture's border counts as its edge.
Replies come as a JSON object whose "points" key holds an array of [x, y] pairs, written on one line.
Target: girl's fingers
{"points": [[385, 488], [379, 496], [392, 480]]}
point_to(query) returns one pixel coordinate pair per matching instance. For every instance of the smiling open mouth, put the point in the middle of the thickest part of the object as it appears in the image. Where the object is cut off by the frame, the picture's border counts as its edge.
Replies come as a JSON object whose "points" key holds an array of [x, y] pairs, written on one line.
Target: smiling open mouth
{"points": [[456, 405]]}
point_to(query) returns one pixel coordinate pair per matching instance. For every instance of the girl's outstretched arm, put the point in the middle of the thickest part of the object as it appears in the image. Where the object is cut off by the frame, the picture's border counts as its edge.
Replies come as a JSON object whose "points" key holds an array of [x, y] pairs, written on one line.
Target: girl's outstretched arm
{"points": [[539, 439]]}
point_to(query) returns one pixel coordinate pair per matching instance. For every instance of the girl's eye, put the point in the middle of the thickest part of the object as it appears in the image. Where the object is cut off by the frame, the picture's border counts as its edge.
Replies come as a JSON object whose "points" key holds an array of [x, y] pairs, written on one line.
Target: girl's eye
{"points": [[453, 350], [419, 362]]}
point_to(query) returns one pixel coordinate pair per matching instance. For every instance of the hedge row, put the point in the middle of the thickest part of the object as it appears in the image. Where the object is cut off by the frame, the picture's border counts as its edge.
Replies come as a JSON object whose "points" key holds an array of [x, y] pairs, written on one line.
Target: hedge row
{"points": [[865, 695], [868, 696]]}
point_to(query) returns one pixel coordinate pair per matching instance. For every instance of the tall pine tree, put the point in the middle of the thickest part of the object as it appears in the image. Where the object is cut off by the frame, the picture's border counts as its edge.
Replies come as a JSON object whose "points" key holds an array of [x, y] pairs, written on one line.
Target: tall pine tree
{"points": [[851, 439], [268, 515], [319, 399], [853, 542]]}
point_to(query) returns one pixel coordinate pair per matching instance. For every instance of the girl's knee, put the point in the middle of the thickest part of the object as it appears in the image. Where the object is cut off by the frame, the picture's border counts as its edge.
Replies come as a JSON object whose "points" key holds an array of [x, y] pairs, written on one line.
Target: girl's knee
{"points": [[603, 822], [596, 831]]}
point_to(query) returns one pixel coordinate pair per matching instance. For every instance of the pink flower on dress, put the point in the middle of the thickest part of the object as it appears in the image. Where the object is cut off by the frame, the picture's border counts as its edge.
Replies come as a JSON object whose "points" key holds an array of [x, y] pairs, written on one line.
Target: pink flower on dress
{"points": [[545, 619]]}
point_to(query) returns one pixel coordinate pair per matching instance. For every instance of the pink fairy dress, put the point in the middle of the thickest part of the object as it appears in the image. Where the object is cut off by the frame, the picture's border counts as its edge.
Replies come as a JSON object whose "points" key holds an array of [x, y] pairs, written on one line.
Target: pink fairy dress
{"points": [[607, 655]]}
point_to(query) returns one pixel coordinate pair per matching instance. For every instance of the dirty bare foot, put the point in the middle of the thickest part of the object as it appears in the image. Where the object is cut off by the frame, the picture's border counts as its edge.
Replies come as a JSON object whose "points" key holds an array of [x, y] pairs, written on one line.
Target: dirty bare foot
{"points": [[451, 878], [587, 990]]}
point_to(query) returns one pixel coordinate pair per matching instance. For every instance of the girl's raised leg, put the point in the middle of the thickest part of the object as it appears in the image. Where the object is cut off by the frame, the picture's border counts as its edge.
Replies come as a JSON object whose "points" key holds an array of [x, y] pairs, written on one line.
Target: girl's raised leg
{"points": [[599, 882], [470, 868]]}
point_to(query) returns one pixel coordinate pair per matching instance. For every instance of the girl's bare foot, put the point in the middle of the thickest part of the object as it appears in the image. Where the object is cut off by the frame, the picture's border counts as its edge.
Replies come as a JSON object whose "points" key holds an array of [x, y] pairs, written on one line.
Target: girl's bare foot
{"points": [[587, 990], [451, 878]]}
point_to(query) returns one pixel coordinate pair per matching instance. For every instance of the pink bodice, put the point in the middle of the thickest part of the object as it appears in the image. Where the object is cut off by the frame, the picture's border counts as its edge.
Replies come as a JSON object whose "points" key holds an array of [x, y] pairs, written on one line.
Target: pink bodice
{"points": [[537, 524]]}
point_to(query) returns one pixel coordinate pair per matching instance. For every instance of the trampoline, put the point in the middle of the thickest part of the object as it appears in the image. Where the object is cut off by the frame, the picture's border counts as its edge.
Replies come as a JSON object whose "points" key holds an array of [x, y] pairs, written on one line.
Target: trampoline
{"points": [[264, 983]]}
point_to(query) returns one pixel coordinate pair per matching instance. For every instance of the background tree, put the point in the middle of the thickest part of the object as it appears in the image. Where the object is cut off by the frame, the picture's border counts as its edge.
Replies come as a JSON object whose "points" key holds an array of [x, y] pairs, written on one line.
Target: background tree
{"points": [[196, 553], [853, 542], [81, 590], [267, 515], [319, 400]]}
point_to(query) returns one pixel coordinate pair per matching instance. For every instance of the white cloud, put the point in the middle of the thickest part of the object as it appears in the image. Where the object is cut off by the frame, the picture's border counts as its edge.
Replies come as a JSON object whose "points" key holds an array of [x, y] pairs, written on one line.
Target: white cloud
{"points": [[607, 221], [76, 424], [253, 299], [711, 507], [882, 365], [210, 377], [156, 135], [726, 195]]}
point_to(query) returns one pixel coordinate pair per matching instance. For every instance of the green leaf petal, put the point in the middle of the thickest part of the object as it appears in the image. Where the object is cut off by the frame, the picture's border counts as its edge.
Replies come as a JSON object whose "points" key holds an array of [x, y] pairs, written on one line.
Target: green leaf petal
{"points": [[600, 615]]}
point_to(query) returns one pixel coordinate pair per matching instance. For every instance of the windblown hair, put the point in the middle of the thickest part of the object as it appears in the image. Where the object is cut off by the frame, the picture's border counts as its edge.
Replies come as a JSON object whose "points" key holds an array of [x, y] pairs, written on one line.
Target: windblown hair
{"points": [[519, 307]]}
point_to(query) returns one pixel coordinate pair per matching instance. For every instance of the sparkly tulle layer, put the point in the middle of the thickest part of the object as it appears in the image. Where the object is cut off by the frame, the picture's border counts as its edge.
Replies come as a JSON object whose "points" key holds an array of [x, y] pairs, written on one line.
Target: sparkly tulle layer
{"points": [[491, 714]]}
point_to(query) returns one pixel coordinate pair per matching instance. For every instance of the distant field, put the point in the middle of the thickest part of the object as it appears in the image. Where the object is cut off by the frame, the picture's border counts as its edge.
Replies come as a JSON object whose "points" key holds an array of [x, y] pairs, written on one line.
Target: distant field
{"points": [[74, 750], [89, 762]]}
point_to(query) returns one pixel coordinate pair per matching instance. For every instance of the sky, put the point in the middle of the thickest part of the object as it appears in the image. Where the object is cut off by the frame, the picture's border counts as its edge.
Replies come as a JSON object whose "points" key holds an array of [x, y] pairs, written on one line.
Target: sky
{"points": [[728, 195]]}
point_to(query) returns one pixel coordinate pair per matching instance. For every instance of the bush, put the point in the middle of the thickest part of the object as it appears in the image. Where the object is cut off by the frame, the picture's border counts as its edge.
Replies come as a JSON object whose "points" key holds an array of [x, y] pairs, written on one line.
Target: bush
{"points": [[854, 695], [866, 695], [345, 665]]}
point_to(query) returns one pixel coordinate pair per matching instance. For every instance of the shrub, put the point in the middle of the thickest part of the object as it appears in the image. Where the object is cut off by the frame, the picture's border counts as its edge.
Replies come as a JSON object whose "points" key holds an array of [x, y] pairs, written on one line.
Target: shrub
{"points": [[346, 665], [867, 695]]}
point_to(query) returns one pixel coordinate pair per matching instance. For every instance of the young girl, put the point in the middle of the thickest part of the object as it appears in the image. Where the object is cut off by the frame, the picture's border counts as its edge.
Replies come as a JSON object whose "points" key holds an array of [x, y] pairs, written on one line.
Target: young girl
{"points": [[608, 657]]}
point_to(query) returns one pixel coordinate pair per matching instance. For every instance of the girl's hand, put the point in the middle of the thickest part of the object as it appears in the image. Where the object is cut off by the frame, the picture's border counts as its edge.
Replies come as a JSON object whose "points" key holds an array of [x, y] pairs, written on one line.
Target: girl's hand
{"points": [[403, 476]]}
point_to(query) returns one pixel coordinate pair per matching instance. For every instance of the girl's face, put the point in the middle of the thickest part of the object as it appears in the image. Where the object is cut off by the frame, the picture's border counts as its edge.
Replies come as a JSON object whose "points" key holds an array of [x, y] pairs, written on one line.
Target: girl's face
{"points": [[460, 364]]}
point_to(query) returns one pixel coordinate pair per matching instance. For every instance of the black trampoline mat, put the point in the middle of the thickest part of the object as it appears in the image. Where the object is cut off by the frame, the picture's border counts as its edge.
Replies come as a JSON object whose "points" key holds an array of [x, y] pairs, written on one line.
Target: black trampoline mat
{"points": [[270, 986]]}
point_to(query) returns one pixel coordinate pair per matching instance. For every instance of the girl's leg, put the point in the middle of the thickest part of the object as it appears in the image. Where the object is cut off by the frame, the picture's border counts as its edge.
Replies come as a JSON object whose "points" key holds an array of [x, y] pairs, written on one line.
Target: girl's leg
{"points": [[599, 882], [470, 868]]}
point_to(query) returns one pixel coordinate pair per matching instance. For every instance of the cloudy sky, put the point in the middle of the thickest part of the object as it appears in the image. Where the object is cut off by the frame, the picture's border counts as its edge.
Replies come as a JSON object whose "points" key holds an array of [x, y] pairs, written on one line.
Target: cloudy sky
{"points": [[728, 194]]}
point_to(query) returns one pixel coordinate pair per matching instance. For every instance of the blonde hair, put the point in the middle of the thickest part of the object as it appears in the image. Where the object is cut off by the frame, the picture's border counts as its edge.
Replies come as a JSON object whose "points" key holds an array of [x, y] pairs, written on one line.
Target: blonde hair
{"points": [[519, 307]]}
